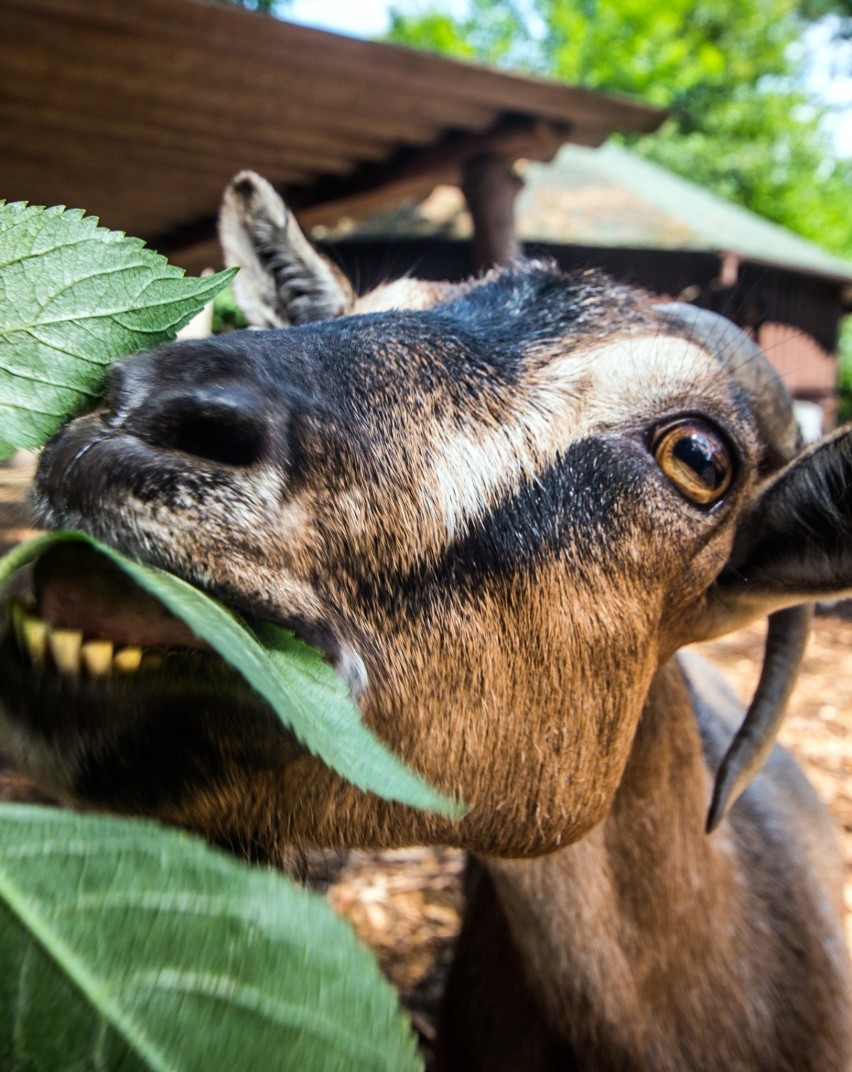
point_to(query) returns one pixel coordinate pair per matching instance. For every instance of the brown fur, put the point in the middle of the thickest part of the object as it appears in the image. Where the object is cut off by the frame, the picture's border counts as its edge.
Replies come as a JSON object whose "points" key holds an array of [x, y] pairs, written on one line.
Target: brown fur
{"points": [[462, 503], [663, 944]]}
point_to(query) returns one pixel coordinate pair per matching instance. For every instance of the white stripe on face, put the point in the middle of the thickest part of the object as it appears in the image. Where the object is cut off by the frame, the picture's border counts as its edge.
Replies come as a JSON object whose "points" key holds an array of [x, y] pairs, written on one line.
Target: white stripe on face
{"points": [[462, 465], [563, 401]]}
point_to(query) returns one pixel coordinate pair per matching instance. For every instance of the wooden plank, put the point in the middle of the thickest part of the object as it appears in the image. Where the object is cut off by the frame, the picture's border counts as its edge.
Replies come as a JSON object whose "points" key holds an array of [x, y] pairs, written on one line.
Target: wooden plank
{"points": [[121, 202], [418, 77], [71, 100], [145, 150], [160, 176], [193, 74], [254, 52], [124, 83]]}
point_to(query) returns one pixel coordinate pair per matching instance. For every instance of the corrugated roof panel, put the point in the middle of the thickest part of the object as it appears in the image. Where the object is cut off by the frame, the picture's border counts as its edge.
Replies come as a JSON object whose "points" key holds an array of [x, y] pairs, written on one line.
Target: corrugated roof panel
{"points": [[612, 197]]}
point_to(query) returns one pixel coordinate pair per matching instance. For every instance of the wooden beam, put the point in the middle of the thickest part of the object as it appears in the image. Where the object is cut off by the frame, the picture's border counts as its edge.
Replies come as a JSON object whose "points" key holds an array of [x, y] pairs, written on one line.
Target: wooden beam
{"points": [[408, 173], [406, 79], [490, 186], [411, 172]]}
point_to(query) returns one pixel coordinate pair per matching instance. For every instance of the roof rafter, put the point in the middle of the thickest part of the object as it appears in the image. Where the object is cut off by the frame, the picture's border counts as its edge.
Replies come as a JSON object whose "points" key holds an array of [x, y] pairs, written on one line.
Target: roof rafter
{"points": [[140, 113]]}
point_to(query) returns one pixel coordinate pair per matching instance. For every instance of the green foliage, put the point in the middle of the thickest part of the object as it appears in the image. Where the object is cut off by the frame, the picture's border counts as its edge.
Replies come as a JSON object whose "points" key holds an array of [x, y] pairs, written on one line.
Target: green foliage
{"points": [[741, 124], [128, 946], [226, 314], [818, 9], [494, 32], [844, 369], [306, 693], [664, 53], [73, 298], [760, 156], [500, 34]]}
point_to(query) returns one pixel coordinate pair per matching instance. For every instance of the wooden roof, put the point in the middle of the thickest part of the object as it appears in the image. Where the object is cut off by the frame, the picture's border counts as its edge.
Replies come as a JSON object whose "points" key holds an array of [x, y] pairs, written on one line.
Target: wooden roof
{"points": [[140, 112]]}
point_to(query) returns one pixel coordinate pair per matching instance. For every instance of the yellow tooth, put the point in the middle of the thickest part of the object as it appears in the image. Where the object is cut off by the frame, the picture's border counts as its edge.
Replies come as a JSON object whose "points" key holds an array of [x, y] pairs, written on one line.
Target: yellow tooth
{"points": [[127, 660], [152, 660], [65, 645], [96, 656], [35, 637]]}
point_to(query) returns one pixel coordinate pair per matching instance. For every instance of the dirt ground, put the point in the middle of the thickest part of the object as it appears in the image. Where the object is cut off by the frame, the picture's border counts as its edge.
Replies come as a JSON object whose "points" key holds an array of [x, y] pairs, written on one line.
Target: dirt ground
{"points": [[406, 905]]}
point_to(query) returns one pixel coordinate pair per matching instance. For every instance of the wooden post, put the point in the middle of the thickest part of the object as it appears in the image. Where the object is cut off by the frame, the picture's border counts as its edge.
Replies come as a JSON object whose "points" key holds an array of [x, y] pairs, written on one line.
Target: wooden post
{"points": [[490, 187]]}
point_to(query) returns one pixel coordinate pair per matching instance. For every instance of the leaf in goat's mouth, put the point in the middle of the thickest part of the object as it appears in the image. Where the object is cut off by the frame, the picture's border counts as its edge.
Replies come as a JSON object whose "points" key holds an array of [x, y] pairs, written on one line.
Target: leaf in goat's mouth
{"points": [[305, 693]]}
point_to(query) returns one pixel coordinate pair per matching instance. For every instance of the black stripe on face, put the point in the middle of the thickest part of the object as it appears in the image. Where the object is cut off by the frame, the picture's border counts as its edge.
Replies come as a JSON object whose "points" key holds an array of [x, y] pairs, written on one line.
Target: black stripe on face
{"points": [[574, 509]]}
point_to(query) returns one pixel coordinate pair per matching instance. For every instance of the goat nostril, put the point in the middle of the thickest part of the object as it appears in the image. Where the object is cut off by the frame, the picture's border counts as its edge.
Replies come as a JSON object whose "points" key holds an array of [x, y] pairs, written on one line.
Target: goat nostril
{"points": [[204, 435], [228, 428]]}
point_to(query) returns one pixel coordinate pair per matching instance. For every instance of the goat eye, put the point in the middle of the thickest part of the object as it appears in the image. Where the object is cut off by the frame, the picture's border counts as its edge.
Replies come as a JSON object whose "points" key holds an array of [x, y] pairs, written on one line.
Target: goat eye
{"points": [[695, 459]]}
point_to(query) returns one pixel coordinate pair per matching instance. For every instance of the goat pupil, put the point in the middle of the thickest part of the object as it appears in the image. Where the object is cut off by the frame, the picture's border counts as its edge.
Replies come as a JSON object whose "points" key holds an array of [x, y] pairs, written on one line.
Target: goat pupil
{"points": [[698, 452]]}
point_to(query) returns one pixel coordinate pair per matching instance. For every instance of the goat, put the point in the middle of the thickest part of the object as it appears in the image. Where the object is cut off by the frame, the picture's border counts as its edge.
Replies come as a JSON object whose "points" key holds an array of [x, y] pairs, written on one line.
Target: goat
{"points": [[500, 508]]}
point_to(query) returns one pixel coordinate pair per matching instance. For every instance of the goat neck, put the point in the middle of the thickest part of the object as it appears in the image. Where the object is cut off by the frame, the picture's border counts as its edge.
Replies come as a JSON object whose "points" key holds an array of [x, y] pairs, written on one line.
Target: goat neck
{"points": [[633, 934]]}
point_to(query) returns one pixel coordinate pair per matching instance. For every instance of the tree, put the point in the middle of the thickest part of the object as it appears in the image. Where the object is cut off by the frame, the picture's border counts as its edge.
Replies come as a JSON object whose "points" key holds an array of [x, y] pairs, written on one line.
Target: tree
{"points": [[742, 122]]}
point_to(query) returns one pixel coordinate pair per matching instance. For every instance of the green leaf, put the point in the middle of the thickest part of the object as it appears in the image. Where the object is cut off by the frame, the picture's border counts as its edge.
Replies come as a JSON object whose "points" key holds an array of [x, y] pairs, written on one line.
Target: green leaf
{"points": [[73, 298], [128, 946], [306, 693]]}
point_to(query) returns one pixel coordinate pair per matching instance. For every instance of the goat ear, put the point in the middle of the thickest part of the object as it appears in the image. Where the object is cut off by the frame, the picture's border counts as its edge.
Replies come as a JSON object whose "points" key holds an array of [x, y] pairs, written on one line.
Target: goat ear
{"points": [[283, 279], [794, 539]]}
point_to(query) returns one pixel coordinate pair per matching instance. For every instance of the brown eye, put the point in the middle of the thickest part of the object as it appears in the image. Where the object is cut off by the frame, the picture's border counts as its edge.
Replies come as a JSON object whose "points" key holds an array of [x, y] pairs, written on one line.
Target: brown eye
{"points": [[695, 459]]}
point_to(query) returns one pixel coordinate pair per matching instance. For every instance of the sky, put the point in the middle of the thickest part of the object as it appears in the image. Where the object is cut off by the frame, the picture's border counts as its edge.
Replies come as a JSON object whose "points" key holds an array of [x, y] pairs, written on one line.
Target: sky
{"points": [[360, 18]]}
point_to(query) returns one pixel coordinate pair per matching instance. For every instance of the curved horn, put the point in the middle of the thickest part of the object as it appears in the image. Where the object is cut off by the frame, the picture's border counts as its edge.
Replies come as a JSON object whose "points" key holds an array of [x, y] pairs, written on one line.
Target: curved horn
{"points": [[786, 639], [747, 363], [788, 629]]}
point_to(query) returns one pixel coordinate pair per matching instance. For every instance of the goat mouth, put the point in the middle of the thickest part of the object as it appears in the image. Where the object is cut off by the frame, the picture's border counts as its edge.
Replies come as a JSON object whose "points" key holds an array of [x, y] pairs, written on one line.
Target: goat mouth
{"points": [[78, 653], [86, 619], [107, 699]]}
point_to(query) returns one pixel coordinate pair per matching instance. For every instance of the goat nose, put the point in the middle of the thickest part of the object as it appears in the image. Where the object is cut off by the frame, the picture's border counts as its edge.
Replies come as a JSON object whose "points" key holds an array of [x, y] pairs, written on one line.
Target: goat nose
{"points": [[227, 424]]}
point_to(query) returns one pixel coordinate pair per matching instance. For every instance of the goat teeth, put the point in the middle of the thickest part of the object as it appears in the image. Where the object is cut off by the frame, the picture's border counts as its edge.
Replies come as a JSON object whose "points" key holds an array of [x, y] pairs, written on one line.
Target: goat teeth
{"points": [[96, 656], [127, 660], [35, 637], [65, 646]]}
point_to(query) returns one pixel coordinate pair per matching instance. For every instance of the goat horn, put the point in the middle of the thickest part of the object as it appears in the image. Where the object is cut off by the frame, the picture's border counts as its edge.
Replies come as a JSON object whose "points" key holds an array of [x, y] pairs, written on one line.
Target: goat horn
{"points": [[786, 638], [788, 629], [747, 363]]}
